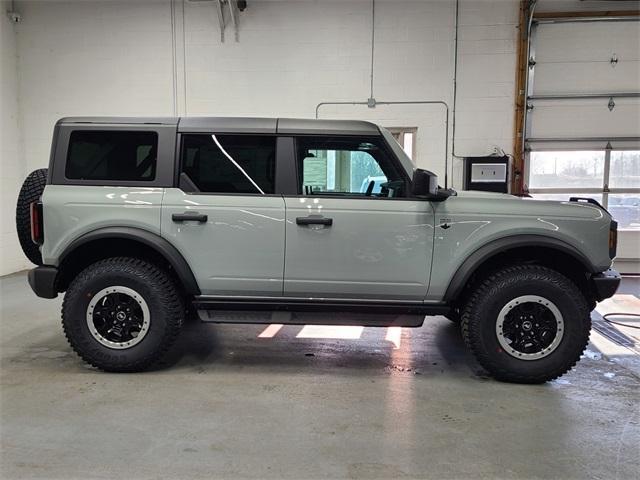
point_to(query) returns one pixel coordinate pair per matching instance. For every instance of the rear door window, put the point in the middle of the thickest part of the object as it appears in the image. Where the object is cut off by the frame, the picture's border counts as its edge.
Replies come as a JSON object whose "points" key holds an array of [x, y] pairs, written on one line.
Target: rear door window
{"points": [[230, 163], [112, 155]]}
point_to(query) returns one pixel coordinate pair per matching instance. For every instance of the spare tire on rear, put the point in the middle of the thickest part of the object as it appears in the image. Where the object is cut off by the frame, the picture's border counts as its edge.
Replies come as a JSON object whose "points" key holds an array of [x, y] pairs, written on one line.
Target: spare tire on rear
{"points": [[31, 190]]}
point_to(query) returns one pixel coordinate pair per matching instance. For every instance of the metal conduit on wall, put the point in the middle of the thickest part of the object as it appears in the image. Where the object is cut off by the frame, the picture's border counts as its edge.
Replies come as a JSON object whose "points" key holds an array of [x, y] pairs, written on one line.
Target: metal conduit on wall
{"points": [[372, 102]]}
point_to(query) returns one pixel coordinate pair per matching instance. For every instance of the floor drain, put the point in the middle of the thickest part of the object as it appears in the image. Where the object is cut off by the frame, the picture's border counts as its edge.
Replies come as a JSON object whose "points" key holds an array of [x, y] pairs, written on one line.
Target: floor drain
{"points": [[612, 333]]}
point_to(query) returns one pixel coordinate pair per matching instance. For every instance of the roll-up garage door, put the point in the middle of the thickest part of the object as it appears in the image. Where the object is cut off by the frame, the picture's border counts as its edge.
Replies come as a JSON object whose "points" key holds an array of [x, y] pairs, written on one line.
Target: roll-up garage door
{"points": [[583, 120]]}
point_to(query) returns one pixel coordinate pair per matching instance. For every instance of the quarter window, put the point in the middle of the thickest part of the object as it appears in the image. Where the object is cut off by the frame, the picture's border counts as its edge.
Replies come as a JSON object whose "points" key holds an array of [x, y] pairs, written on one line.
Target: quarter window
{"points": [[230, 163], [347, 166], [112, 155]]}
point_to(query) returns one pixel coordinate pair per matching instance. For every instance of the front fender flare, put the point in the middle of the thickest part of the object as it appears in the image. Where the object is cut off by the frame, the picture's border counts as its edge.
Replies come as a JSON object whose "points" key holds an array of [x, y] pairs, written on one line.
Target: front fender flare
{"points": [[485, 252]]}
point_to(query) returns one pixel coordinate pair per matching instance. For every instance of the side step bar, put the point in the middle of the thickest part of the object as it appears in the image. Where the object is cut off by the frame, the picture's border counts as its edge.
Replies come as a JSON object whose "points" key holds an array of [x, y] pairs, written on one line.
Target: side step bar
{"points": [[312, 318], [317, 312]]}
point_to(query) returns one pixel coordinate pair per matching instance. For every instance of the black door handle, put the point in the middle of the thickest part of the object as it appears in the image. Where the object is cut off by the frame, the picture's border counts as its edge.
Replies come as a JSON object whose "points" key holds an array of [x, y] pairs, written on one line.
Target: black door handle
{"points": [[189, 217], [314, 220]]}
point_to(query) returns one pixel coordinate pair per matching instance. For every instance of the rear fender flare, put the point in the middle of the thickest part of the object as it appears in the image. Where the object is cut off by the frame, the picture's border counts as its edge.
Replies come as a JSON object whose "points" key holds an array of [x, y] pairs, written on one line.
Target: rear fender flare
{"points": [[152, 240]]}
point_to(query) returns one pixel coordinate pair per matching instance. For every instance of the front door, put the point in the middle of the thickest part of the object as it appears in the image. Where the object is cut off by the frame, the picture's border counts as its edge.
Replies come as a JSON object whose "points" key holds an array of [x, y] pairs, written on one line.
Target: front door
{"points": [[225, 218], [352, 233]]}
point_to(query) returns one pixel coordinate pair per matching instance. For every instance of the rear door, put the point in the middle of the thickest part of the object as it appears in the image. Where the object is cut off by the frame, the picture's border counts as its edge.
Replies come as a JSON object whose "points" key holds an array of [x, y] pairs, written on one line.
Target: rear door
{"points": [[352, 232], [225, 217]]}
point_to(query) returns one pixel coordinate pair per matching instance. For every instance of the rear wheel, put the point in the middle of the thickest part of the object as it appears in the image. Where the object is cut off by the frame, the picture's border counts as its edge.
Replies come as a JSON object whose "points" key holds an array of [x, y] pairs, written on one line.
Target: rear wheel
{"points": [[31, 190], [122, 314], [526, 324]]}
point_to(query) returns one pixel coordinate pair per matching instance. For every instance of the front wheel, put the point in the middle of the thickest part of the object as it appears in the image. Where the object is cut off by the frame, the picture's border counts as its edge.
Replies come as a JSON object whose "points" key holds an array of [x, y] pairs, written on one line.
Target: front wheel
{"points": [[122, 314], [526, 324]]}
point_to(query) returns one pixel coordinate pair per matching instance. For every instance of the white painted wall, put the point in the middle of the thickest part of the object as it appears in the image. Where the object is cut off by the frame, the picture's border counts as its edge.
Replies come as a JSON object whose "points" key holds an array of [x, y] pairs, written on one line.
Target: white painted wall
{"points": [[121, 58], [12, 171]]}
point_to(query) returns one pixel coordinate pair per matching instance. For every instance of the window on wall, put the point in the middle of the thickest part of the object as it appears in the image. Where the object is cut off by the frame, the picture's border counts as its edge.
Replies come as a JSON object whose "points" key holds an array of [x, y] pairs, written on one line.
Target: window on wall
{"points": [[612, 177], [406, 137], [348, 166], [566, 170], [230, 163]]}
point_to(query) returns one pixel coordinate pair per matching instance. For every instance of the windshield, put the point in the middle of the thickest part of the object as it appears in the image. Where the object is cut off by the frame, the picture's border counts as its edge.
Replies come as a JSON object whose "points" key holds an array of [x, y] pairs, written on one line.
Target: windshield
{"points": [[406, 162]]}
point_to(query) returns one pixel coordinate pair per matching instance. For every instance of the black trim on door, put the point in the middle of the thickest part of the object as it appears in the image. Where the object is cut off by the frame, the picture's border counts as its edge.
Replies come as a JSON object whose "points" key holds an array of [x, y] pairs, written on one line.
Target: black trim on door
{"points": [[314, 220], [286, 167], [189, 217]]}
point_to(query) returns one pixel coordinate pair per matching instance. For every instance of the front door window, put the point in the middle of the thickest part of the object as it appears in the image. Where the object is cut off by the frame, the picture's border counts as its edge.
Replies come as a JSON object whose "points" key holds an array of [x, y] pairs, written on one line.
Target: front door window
{"points": [[347, 166]]}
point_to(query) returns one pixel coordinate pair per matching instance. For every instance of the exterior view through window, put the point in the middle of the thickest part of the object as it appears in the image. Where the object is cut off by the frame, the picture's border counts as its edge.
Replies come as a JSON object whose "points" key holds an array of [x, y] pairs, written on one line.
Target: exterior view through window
{"points": [[347, 166], [112, 155], [406, 138], [230, 163], [612, 177]]}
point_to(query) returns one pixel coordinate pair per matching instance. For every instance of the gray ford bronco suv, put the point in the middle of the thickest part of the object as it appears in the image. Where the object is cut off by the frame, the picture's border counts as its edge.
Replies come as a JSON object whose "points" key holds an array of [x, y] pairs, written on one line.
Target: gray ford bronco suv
{"points": [[144, 221]]}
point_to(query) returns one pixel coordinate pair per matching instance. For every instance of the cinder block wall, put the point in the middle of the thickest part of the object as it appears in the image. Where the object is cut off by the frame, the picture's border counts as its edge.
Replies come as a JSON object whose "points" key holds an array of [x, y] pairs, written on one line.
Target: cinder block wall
{"points": [[12, 170], [164, 58]]}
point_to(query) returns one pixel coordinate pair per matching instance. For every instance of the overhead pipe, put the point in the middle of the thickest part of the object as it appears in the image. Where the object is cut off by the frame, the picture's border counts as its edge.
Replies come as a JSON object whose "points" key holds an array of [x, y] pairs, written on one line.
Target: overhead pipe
{"points": [[234, 20], [373, 37]]}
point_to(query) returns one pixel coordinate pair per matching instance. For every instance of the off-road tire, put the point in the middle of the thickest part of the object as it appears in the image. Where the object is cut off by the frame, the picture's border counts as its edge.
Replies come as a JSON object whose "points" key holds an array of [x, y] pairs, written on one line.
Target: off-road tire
{"points": [[31, 190], [156, 287], [490, 295]]}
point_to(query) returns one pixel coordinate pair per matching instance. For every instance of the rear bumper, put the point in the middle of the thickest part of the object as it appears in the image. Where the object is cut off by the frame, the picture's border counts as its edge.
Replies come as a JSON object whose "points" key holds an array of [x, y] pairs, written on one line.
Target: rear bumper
{"points": [[605, 284], [43, 281]]}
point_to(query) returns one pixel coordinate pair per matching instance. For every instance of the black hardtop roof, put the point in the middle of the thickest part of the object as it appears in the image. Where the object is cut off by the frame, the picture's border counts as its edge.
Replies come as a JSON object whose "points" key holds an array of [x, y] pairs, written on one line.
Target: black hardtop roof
{"points": [[240, 124]]}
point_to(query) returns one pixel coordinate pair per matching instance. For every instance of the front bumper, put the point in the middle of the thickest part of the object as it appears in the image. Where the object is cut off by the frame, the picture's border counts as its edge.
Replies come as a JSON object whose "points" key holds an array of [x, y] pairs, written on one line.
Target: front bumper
{"points": [[605, 284], [43, 281]]}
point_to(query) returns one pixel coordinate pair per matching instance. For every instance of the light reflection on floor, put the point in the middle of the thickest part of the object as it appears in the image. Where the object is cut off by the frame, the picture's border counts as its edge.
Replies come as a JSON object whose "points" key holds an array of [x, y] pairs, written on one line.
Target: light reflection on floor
{"points": [[340, 332], [271, 330], [399, 396], [394, 335], [334, 332]]}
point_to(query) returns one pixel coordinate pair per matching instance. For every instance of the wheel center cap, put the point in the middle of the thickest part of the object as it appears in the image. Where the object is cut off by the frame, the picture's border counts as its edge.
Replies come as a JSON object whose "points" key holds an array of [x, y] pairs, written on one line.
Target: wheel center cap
{"points": [[526, 325], [121, 316]]}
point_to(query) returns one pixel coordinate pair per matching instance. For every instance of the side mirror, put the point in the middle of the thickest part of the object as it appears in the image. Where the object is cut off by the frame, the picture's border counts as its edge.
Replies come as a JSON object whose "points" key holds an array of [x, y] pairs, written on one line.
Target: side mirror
{"points": [[425, 183]]}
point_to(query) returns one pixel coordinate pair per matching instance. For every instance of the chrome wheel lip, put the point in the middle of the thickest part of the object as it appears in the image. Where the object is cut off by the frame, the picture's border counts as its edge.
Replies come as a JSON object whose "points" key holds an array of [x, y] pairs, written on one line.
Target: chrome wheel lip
{"points": [[530, 299], [146, 317]]}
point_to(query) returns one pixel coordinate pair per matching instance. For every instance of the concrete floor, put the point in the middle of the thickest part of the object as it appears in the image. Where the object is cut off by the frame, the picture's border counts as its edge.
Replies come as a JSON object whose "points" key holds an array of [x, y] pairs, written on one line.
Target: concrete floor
{"points": [[228, 404]]}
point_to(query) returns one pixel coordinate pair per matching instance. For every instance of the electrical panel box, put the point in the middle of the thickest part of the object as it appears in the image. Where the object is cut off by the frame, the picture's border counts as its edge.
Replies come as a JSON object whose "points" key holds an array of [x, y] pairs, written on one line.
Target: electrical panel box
{"points": [[489, 174]]}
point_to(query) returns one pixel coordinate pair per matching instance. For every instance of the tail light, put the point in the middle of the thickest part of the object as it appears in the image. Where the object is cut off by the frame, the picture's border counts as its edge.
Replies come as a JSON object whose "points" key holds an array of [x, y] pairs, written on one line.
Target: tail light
{"points": [[613, 238], [37, 231]]}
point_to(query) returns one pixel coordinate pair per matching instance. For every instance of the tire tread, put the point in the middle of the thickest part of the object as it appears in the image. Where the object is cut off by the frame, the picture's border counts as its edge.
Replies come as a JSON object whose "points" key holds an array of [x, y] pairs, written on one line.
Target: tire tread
{"points": [[470, 321], [172, 305]]}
